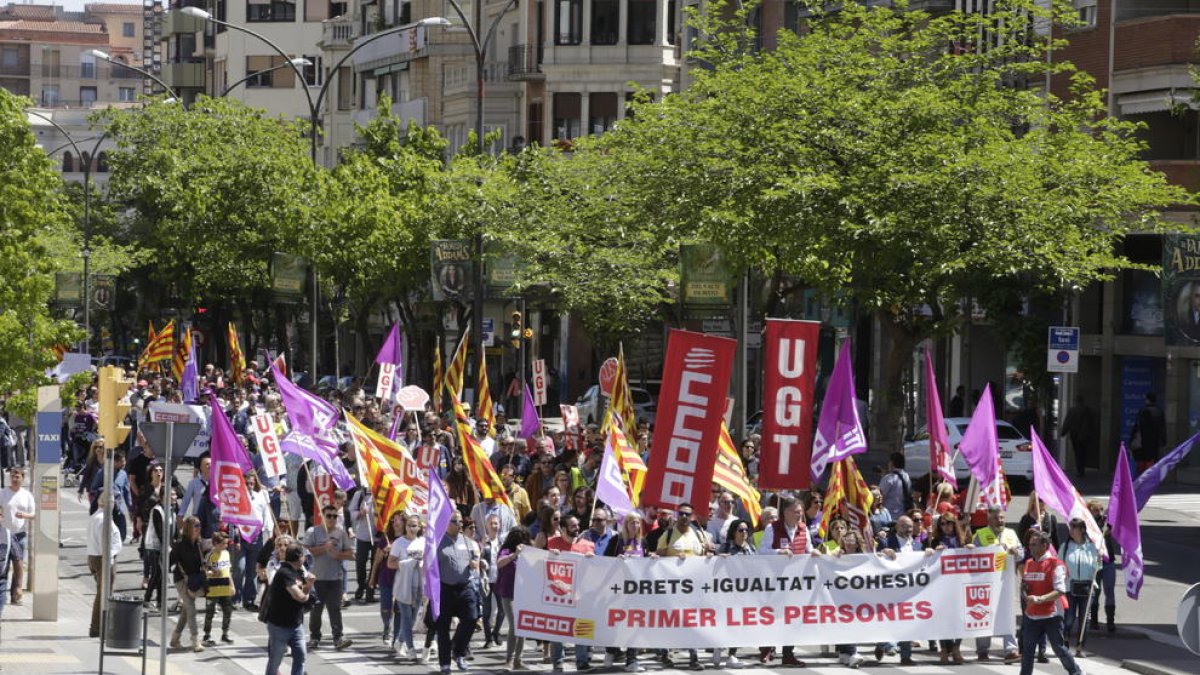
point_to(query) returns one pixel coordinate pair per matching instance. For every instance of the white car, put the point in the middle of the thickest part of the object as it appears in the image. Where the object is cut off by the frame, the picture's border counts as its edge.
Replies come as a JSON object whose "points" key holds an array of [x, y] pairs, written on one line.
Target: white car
{"points": [[590, 408], [1015, 452]]}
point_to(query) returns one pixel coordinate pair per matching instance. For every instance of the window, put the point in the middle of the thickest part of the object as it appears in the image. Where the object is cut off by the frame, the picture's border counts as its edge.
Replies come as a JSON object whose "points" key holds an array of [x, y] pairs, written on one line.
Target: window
{"points": [[128, 29], [1086, 10], [126, 94], [276, 11], [269, 72], [569, 23], [314, 74], [642, 22], [102, 162], [602, 112], [671, 21], [68, 162], [87, 96], [49, 95], [605, 21], [337, 9], [10, 56], [345, 88], [566, 115]]}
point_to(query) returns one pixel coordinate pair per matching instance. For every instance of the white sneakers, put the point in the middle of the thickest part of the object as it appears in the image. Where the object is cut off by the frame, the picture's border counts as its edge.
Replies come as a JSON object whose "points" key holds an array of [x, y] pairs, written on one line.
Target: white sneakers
{"points": [[850, 660], [634, 667], [609, 658], [401, 650]]}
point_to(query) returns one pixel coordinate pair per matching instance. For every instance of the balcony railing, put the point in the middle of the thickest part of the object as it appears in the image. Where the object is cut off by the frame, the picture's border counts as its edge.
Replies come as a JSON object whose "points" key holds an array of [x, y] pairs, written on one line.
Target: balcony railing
{"points": [[89, 71], [20, 68], [525, 62], [337, 33]]}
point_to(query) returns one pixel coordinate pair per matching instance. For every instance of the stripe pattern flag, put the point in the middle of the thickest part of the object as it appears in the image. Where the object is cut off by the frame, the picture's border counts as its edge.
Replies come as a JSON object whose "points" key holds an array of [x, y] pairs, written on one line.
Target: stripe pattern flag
{"points": [[237, 359], [622, 399], [1123, 519], [1054, 488], [839, 431], [939, 444], [389, 490], [151, 336], [401, 462], [485, 410], [439, 376], [731, 475], [183, 348], [479, 467], [161, 347], [629, 461], [458, 367], [848, 495]]}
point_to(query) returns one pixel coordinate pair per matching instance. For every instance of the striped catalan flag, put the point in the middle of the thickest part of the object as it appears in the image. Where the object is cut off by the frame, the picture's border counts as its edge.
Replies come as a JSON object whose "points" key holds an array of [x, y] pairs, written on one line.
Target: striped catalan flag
{"points": [[479, 467], [622, 399], [458, 367], [237, 360], [485, 410], [399, 460], [633, 469], [848, 495], [161, 347], [439, 376], [179, 358], [730, 474], [389, 490]]}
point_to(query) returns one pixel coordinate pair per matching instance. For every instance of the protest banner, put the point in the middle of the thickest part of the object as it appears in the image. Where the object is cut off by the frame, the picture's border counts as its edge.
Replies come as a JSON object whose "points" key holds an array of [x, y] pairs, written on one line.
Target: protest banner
{"points": [[749, 601], [789, 372], [268, 444]]}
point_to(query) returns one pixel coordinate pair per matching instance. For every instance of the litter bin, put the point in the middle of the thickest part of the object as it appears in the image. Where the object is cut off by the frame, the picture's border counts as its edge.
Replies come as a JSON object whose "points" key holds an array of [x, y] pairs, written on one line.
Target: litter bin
{"points": [[124, 622]]}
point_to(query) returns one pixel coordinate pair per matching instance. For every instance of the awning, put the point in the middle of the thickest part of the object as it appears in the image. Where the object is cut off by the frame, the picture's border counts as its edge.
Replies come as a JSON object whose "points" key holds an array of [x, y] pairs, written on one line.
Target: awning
{"points": [[1153, 101]]}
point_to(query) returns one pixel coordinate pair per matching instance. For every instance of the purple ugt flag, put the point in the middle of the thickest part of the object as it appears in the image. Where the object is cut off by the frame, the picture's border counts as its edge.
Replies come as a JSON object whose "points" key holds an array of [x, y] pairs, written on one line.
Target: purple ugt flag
{"points": [[1151, 478], [839, 431], [1123, 519], [309, 414], [529, 417], [440, 511], [188, 385], [230, 464], [979, 445], [1054, 488], [392, 351]]}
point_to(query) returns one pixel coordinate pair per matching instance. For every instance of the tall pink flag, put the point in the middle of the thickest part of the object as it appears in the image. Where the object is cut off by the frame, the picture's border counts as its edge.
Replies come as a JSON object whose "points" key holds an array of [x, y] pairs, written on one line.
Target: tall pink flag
{"points": [[1054, 488], [839, 431], [939, 444], [979, 445], [1123, 519], [230, 464], [610, 484]]}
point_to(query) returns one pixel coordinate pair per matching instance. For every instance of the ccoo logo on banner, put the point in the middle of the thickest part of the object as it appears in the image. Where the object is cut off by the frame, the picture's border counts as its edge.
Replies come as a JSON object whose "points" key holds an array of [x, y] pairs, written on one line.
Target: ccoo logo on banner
{"points": [[747, 601]]}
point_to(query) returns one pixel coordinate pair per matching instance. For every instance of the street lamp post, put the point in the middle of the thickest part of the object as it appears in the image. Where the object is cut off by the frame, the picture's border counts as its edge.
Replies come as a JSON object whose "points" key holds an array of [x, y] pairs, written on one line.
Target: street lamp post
{"points": [[301, 61], [314, 109], [480, 46], [103, 56]]}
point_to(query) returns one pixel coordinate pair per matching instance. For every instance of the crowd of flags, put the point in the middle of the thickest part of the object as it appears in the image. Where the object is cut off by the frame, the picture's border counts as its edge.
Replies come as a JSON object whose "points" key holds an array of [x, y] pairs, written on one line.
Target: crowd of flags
{"points": [[390, 472]]}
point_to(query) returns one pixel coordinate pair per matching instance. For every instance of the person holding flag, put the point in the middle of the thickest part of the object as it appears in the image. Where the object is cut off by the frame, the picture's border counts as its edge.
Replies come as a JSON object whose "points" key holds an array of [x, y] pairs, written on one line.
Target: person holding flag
{"points": [[1044, 589]]}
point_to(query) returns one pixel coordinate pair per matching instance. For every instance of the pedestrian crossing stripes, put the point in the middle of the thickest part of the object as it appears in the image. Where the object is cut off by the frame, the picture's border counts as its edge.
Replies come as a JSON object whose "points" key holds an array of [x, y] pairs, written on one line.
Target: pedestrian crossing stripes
{"points": [[1183, 503]]}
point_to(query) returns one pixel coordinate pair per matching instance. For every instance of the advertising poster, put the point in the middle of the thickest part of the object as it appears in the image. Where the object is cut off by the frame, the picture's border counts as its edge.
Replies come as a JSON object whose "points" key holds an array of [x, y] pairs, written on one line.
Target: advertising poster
{"points": [[1181, 289], [450, 262]]}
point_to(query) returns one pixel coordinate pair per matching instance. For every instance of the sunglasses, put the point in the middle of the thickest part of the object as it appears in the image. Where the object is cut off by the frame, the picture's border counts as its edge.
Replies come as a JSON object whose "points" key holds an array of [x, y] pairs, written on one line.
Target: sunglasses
{"points": [[742, 529], [685, 514]]}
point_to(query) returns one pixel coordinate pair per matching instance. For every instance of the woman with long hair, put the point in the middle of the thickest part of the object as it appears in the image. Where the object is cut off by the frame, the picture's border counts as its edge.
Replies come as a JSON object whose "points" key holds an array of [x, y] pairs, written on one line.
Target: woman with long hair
{"points": [[152, 543], [147, 499], [405, 559], [187, 564], [506, 575], [549, 520], [458, 486], [950, 532], [1083, 562]]}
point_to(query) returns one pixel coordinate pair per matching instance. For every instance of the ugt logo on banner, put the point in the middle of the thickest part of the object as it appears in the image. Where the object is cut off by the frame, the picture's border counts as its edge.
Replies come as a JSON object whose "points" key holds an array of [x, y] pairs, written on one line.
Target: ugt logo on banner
{"points": [[231, 490], [560, 583], [979, 606], [789, 372]]}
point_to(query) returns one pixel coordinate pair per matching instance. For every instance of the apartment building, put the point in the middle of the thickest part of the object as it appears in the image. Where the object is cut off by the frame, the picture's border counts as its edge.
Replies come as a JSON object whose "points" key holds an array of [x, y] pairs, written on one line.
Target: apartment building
{"points": [[44, 53]]}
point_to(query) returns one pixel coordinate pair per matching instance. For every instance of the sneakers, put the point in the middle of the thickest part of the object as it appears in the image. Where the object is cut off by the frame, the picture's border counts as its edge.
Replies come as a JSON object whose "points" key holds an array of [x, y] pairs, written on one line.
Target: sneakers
{"points": [[175, 643], [557, 668], [1012, 657], [983, 656], [717, 659], [634, 667], [695, 664], [583, 667], [226, 639], [445, 670], [401, 651], [197, 647], [850, 660], [342, 643], [733, 662], [791, 661], [313, 644], [609, 658], [766, 654], [208, 641], [461, 664]]}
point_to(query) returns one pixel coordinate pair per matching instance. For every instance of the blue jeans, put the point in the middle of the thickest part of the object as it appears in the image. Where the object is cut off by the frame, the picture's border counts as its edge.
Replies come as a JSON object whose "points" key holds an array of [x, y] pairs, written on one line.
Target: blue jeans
{"points": [[279, 639], [404, 622], [1032, 631], [583, 654], [249, 567]]}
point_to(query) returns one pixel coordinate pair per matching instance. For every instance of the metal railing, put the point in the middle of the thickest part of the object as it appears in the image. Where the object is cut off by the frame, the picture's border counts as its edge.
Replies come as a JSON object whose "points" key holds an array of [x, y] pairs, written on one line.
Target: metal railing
{"points": [[337, 32], [525, 62], [88, 71]]}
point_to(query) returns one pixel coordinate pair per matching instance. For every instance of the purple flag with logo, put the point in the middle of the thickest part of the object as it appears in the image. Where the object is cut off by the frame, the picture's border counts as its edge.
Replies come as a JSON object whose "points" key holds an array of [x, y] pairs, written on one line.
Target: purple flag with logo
{"points": [[312, 420], [392, 351], [1054, 488], [1123, 519], [610, 484], [839, 431], [529, 417], [979, 445], [1151, 478], [188, 380], [230, 464], [440, 511]]}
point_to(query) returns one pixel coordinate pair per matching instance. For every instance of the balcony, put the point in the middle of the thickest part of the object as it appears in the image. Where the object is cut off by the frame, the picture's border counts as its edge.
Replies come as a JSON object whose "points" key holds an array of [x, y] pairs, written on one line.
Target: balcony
{"points": [[184, 75], [401, 47], [525, 63], [88, 71], [176, 23], [337, 34], [21, 68]]}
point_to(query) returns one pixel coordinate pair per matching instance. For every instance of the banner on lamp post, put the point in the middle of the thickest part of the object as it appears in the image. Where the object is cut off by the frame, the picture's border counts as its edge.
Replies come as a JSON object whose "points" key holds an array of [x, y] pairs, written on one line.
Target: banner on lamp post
{"points": [[789, 377], [686, 438]]}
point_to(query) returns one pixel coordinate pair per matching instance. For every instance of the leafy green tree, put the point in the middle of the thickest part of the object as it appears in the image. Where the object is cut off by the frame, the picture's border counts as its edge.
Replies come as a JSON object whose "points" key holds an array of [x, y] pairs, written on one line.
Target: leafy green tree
{"points": [[880, 166], [30, 200]]}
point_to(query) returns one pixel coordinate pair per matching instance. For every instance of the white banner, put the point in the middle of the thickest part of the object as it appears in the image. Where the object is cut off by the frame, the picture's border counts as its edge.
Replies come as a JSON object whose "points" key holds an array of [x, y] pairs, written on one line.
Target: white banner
{"points": [[386, 383], [752, 600]]}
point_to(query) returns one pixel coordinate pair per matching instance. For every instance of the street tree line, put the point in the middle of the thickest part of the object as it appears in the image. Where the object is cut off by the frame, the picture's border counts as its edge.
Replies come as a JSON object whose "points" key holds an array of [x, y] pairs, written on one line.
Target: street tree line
{"points": [[863, 157]]}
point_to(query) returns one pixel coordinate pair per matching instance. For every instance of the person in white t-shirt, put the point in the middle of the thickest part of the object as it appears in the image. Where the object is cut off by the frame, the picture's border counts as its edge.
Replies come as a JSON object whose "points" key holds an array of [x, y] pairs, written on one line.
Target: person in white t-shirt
{"points": [[405, 557], [18, 507]]}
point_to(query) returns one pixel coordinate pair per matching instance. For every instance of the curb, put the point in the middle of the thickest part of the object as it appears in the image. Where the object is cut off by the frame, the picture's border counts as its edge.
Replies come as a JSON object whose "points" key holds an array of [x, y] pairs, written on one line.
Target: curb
{"points": [[1145, 668]]}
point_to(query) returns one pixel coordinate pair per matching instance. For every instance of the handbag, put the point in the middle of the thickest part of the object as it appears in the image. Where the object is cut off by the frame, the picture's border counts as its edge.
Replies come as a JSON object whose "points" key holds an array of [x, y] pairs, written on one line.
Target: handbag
{"points": [[196, 583], [1081, 589]]}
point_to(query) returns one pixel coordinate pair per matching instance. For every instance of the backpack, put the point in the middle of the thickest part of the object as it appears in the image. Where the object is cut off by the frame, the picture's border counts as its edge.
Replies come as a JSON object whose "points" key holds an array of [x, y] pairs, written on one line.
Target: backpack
{"points": [[908, 496]]}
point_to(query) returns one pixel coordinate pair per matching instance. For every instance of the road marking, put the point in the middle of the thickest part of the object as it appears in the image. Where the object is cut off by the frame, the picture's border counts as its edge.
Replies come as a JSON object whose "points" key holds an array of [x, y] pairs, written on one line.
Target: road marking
{"points": [[34, 658]]}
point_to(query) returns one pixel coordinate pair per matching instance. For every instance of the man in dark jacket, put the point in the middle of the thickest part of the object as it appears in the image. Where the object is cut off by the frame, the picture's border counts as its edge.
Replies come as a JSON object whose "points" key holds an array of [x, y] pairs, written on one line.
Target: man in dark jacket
{"points": [[1149, 433]]}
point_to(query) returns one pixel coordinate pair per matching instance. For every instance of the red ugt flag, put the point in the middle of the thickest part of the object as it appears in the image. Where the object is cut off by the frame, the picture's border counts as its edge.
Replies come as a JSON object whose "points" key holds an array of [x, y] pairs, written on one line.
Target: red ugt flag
{"points": [[789, 373]]}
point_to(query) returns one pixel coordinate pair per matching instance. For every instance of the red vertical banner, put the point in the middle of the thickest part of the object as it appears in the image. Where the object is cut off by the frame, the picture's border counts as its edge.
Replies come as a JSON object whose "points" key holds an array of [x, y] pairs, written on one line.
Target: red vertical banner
{"points": [[687, 430], [789, 374]]}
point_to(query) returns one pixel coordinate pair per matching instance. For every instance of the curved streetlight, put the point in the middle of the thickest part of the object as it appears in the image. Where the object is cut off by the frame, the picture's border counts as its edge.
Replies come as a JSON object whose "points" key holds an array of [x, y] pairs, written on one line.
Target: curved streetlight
{"points": [[299, 61], [314, 107], [103, 56]]}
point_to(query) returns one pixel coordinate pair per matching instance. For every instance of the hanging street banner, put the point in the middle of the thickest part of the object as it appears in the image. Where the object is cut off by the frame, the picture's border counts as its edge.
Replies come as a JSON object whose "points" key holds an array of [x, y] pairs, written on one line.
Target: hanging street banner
{"points": [[68, 289], [789, 377], [450, 263], [749, 601], [686, 437], [1181, 289], [704, 279], [288, 274]]}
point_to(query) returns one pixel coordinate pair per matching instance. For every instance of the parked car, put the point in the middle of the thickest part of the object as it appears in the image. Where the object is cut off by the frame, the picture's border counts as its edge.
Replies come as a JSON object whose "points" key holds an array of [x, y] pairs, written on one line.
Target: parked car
{"points": [[590, 407], [1015, 453]]}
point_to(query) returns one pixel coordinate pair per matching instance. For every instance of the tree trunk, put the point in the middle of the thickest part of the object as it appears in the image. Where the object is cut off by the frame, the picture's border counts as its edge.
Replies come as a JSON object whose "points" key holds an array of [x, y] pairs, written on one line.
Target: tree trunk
{"points": [[888, 427]]}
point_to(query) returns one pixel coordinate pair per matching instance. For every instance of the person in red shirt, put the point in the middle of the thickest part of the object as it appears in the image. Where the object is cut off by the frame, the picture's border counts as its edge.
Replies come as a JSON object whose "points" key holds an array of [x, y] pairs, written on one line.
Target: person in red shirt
{"points": [[1044, 589], [569, 541]]}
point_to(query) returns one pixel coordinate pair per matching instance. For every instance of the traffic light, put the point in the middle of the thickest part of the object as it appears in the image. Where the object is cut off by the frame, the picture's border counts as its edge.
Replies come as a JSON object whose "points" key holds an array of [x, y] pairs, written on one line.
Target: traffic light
{"points": [[114, 405], [514, 336]]}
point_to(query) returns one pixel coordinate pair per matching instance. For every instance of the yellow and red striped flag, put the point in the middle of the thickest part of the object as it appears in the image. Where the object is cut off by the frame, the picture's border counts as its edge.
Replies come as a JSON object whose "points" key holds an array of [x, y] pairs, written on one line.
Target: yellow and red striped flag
{"points": [[59, 352], [439, 376], [848, 495], [384, 479], [161, 346], [730, 474], [458, 367], [180, 357], [479, 467], [237, 360], [622, 399], [633, 469], [485, 410]]}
